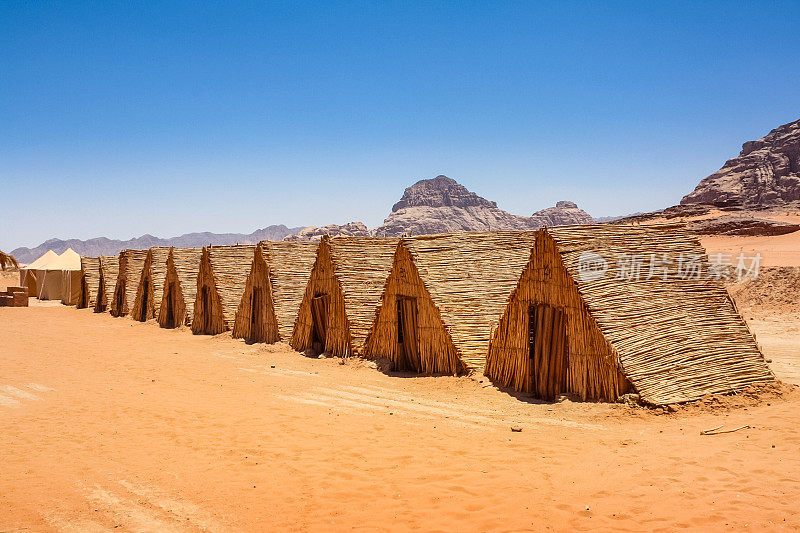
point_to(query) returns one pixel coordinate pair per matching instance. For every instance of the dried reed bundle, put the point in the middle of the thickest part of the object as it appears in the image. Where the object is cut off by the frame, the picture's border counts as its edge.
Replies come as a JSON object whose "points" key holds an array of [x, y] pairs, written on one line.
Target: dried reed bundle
{"points": [[90, 282], [180, 287], [109, 271], [221, 282], [150, 289]]}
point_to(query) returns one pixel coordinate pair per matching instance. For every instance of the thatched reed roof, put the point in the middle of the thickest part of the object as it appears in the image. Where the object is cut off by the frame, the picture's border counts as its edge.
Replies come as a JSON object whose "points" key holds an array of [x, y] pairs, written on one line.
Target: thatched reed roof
{"points": [[109, 265], [470, 277], [361, 265], [130, 269], [158, 269], [230, 265], [91, 274], [187, 265], [289, 267], [676, 338]]}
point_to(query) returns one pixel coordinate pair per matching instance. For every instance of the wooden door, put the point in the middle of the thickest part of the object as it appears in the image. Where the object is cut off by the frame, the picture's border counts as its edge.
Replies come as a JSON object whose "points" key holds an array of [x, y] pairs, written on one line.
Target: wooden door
{"points": [[548, 350], [319, 315], [145, 297], [407, 339], [257, 315]]}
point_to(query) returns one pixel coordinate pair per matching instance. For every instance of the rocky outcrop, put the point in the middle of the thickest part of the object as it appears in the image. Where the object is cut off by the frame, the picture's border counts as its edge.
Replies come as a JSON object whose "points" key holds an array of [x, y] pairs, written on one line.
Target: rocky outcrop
{"points": [[563, 214], [741, 225], [766, 173], [313, 234], [442, 205]]}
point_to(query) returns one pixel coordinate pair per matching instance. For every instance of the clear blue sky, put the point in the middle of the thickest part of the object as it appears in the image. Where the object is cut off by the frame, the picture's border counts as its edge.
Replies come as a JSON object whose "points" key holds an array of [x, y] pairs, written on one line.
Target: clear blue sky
{"points": [[124, 118]]}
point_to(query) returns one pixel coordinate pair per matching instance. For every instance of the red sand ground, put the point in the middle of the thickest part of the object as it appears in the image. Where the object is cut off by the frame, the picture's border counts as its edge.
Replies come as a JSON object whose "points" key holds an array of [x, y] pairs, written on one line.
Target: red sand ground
{"points": [[107, 422]]}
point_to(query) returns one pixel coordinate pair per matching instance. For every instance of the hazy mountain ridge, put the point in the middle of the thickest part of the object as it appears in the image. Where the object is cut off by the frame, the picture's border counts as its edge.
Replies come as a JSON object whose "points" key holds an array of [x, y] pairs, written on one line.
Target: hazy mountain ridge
{"points": [[105, 246]]}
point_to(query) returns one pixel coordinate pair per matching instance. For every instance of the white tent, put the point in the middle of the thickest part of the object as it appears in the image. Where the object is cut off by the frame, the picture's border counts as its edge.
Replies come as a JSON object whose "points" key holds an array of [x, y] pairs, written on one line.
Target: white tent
{"points": [[53, 277]]}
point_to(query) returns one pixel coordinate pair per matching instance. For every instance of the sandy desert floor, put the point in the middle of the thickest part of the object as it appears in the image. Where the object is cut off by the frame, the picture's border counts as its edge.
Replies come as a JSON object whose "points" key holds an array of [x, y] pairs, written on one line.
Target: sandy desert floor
{"points": [[111, 424]]}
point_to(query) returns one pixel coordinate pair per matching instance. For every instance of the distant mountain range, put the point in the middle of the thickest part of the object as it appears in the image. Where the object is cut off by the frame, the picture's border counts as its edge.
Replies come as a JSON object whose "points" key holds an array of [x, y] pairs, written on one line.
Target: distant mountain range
{"points": [[437, 205], [103, 246]]}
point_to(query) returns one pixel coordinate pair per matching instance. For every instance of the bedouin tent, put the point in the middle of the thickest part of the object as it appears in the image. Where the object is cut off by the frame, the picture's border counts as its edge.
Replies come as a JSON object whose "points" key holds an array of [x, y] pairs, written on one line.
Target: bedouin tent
{"points": [[53, 277], [147, 301], [70, 277], [220, 285], [130, 270], [275, 287], [180, 287], [343, 294], [109, 271], [90, 281], [443, 297], [27, 274], [585, 319]]}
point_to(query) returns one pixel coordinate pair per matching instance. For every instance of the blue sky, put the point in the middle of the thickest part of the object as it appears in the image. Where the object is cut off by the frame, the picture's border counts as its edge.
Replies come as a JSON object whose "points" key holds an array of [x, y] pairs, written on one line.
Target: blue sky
{"points": [[125, 118]]}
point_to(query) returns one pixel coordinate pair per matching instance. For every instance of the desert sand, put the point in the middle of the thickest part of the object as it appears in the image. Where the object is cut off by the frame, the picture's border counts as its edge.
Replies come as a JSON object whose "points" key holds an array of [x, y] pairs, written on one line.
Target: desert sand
{"points": [[109, 423]]}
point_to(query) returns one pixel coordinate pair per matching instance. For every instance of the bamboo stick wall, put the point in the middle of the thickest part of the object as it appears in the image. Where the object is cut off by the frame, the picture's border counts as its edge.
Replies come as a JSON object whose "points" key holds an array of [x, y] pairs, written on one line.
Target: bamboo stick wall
{"points": [[352, 271], [591, 365], [676, 338], [154, 270], [223, 271], [281, 271], [182, 268], [130, 270], [90, 268]]}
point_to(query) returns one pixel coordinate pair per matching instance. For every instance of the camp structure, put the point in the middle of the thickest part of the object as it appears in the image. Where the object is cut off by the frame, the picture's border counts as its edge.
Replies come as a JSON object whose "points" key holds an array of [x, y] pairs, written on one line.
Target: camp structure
{"points": [[53, 277], [275, 286], [180, 287], [342, 294], [109, 271], [221, 281], [71, 276], [147, 302], [443, 297], [89, 282], [131, 263], [602, 309], [28, 273]]}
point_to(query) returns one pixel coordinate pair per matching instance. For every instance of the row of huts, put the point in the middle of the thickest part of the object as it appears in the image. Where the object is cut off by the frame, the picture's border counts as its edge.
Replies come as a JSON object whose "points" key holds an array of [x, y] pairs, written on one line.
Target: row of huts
{"points": [[515, 306]]}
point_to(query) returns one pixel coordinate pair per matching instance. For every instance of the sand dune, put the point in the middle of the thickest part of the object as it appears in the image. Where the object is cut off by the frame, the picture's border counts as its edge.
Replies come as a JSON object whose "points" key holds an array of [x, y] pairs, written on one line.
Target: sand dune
{"points": [[108, 422]]}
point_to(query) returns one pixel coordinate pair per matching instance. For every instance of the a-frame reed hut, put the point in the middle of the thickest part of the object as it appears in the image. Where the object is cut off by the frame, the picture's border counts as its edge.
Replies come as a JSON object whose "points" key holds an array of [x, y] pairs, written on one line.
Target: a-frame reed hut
{"points": [[443, 297], [130, 271], [221, 282], [275, 287], [109, 271], [180, 287], [89, 282], [147, 302], [671, 332], [343, 294]]}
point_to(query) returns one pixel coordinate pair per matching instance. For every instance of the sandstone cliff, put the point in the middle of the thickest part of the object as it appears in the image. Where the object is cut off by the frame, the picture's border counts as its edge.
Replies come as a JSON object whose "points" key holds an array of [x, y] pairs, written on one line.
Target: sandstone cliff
{"points": [[766, 173]]}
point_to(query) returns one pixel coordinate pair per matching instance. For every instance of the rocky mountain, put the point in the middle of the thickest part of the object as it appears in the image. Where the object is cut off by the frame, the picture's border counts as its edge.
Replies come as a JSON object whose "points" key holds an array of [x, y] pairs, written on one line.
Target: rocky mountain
{"points": [[104, 246], [766, 173], [442, 205], [313, 233]]}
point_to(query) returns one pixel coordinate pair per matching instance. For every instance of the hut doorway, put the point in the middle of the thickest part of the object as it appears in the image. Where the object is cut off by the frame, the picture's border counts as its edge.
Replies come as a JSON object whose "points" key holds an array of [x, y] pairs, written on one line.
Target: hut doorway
{"points": [[205, 305], [257, 333], [84, 301], [407, 341], [145, 298], [548, 350], [170, 303], [319, 314]]}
